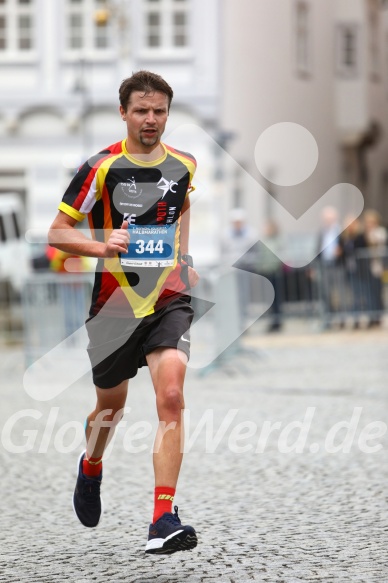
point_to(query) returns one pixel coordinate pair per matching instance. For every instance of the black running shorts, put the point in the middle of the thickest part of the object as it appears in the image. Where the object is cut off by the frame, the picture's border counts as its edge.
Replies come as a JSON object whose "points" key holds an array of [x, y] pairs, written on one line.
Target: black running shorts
{"points": [[118, 346]]}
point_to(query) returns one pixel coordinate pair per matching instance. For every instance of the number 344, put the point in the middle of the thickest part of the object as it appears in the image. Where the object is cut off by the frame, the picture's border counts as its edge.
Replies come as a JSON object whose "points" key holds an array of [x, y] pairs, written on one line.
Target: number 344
{"points": [[150, 247]]}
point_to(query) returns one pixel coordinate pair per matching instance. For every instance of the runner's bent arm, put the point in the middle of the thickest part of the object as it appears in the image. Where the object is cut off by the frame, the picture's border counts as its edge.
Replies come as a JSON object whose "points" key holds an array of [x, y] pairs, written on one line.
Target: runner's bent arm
{"points": [[184, 242], [65, 237]]}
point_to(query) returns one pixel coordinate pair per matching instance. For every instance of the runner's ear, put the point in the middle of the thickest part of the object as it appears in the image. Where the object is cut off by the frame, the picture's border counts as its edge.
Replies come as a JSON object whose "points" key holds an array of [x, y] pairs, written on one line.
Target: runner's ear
{"points": [[124, 225]]}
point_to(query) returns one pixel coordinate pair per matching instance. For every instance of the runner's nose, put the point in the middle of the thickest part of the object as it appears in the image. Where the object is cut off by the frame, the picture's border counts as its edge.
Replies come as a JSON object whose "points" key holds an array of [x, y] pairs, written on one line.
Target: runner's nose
{"points": [[150, 118]]}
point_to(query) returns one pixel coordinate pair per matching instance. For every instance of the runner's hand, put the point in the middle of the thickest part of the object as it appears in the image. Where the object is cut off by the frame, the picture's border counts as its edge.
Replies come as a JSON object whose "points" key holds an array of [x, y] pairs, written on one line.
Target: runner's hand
{"points": [[118, 241], [193, 277]]}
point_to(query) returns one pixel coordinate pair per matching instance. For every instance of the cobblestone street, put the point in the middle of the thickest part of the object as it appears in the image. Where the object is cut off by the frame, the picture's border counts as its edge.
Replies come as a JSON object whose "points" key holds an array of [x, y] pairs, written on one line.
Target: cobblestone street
{"points": [[283, 505]]}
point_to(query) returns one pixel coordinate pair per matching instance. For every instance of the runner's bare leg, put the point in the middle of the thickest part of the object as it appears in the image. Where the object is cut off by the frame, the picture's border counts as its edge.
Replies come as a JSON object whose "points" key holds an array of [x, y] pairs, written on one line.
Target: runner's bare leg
{"points": [[168, 368], [98, 436]]}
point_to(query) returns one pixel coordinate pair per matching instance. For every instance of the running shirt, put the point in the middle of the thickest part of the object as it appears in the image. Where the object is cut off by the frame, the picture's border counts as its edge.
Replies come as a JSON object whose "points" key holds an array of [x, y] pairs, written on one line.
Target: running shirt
{"points": [[114, 185]]}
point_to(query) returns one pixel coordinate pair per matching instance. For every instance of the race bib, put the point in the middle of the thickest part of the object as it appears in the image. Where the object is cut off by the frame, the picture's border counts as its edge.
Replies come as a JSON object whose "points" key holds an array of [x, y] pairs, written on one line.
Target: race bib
{"points": [[150, 246]]}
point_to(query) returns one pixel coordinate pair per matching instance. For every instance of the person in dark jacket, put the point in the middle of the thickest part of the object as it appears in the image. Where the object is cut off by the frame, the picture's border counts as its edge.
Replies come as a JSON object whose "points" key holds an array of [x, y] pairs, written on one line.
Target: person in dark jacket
{"points": [[351, 243]]}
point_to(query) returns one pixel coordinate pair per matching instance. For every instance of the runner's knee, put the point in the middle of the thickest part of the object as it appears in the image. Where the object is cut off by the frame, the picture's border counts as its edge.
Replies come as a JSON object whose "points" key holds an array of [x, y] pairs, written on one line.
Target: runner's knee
{"points": [[171, 401]]}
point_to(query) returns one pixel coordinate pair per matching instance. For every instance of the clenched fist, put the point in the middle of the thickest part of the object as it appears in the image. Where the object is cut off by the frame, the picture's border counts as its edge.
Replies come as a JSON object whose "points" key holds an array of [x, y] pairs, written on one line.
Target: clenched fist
{"points": [[193, 277], [118, 241]]}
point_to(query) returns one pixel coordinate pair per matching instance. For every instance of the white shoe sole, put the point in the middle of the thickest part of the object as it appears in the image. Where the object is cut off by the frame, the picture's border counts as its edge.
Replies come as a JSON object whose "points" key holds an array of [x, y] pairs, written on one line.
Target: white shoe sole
{"points": [[177, 541]]}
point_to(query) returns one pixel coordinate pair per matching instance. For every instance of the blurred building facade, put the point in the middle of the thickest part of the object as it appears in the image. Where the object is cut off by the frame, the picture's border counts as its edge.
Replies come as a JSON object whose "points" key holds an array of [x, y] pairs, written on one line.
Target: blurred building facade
{"points": [[61, 63], [319, 63], [236, 69]]}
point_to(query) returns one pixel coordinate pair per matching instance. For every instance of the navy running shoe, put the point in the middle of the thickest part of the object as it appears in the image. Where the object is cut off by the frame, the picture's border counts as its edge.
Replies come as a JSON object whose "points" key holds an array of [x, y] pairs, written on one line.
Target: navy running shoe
{"points": [[167, 535], [87, 502]]}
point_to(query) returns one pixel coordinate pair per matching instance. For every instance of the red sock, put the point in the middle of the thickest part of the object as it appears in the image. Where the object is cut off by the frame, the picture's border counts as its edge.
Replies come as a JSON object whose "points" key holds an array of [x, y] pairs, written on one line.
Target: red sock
{"points": [[92, 467], [164, 497]]}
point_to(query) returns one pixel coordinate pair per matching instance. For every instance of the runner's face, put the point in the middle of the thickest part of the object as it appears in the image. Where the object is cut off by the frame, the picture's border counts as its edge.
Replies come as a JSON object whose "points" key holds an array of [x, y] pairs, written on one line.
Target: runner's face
{"points": [[146, 118]]}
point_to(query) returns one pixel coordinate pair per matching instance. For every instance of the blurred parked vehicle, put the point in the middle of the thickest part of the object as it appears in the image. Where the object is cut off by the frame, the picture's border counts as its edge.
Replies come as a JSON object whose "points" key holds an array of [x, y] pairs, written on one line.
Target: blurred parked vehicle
{"points": [[14, 256]]}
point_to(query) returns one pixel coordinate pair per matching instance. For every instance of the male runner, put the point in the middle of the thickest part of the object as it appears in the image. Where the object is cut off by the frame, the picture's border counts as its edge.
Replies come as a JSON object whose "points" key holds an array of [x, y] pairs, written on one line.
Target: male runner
{"points": [[135, 194]]}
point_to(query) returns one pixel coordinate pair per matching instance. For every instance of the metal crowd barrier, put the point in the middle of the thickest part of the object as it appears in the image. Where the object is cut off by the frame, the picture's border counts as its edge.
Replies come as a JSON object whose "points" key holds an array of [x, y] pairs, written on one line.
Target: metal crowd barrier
{"points": [[221, 297], [10, 313], [54, 307], [333, 292], [355, 288]]}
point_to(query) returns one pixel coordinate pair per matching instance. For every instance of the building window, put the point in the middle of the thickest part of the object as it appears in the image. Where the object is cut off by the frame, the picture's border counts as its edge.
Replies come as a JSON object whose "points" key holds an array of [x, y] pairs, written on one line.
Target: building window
{"points": [[166, 24], [101, 32], [303, 40], [75, 28], [88, 26], [386, 61], [25, 32], [347, 50], [180, 29], [374, 40], [17, 26], [154, 29], [3, 32]]}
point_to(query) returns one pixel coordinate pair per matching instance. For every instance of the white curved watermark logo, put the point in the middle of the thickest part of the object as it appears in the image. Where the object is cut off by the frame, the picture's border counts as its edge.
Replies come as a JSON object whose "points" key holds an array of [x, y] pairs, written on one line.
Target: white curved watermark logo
{"points": [[294, 151]]}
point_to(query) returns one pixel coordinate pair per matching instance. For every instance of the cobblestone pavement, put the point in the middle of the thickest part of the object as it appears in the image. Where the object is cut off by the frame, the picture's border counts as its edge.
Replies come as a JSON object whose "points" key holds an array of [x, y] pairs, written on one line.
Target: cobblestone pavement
{"points": [[262, 513]]}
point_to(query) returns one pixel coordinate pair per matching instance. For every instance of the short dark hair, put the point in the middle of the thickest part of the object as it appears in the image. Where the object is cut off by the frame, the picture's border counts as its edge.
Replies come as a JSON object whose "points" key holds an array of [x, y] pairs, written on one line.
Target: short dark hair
{"points": [[146, 82]]}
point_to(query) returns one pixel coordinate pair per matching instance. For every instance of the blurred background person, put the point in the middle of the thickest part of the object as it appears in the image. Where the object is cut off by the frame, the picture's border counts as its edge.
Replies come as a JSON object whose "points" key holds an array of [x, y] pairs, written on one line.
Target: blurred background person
{"points": [[238, 249], [330, 277], [376, 240], [270, 266], [351, 242]]}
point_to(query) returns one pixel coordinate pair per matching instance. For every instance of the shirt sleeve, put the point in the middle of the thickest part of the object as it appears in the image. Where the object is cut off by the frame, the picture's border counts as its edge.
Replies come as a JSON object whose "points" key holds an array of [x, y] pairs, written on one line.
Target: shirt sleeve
{"points": [[191, 166], [83, 191]]}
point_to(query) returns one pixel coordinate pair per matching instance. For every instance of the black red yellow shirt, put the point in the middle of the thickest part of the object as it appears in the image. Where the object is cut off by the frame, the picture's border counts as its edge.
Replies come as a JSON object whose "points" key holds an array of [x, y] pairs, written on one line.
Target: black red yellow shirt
{"points": [[114, 185]]}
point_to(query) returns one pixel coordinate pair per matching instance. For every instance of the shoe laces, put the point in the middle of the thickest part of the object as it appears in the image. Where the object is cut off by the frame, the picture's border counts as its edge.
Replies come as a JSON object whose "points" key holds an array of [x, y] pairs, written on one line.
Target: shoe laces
{"points": [[91, 490], [173, 518]]}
